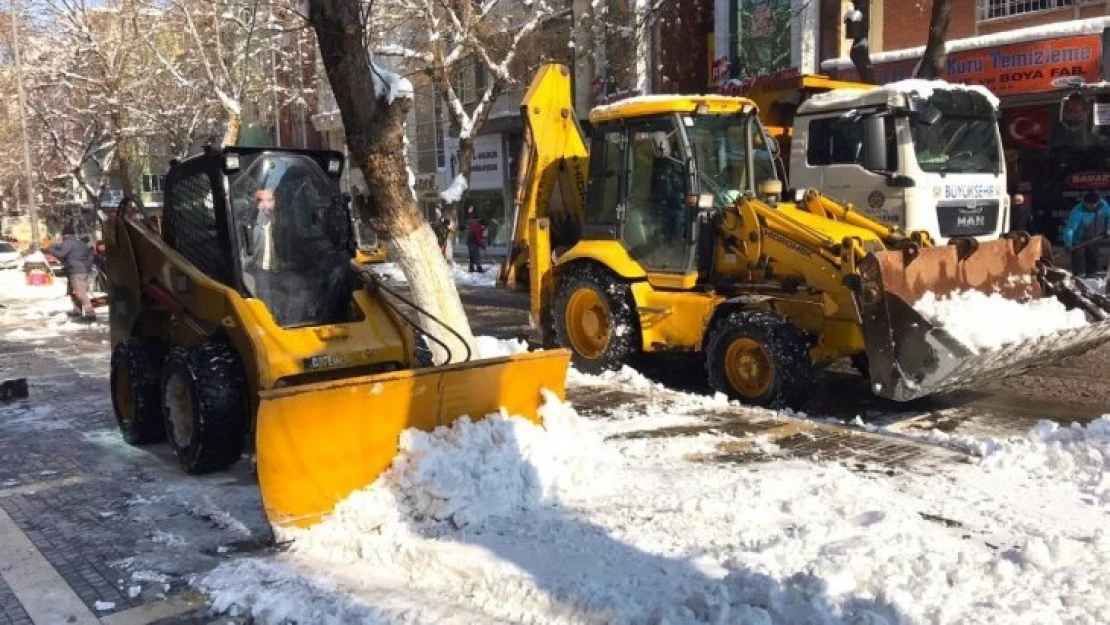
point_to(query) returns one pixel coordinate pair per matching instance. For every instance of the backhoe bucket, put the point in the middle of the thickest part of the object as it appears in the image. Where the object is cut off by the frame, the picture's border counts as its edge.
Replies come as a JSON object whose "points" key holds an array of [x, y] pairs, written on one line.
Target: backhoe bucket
{"points": [[318, 443], [909, 357]]}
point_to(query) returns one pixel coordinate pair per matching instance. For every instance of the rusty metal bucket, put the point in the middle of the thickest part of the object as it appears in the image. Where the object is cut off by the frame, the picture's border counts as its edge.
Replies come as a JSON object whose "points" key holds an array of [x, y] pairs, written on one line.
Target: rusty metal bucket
{"points": [[909, 357]]}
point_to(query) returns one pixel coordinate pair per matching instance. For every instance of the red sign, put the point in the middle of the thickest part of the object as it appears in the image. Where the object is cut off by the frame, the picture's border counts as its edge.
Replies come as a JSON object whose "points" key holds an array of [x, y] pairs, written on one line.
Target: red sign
{"points": [[1030, 67], [1026, 127], [1093, 180]]}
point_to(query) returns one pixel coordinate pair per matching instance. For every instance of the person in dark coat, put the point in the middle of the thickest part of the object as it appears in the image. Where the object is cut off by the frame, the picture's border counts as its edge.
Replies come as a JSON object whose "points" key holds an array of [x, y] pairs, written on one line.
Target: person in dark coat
{"points": [[1088, 221], [77, 258]]}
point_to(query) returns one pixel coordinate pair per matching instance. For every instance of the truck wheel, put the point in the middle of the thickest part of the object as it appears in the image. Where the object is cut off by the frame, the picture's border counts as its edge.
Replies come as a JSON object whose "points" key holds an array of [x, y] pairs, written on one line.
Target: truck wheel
{"points": [[759, 358], [595, 318], [136, 394], [205, 406]]}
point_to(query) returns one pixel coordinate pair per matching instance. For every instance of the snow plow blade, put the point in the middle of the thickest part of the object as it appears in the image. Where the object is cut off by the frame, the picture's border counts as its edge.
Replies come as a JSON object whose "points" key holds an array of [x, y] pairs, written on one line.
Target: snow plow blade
{"points": [[909, 357], [317, 443]]}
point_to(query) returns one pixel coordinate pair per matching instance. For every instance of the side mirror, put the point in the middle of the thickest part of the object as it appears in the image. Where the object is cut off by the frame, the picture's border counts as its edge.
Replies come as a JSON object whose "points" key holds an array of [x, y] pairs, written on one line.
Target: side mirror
{"points": [[874, 144]]}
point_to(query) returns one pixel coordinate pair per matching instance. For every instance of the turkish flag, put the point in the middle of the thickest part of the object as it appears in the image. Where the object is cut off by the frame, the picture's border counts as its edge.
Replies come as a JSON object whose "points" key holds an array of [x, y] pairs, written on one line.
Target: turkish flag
{"points": [[1026, 127]]}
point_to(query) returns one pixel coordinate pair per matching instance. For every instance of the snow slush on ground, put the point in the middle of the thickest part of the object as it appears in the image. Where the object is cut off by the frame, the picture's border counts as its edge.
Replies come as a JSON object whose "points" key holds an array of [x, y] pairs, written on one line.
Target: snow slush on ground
{"points": [[985, 322], [506, 521], [392, 273]]}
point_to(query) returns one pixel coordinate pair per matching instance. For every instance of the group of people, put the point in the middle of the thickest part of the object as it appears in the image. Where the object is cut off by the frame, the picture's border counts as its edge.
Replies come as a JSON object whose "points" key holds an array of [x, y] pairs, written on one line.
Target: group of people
{"points": [[477, 237]]}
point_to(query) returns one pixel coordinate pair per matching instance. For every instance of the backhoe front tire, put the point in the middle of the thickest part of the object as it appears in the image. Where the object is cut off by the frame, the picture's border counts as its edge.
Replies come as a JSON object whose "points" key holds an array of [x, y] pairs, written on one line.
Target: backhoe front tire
{"points": [[759, 358], [595, 317], [204, 397], [136, 375]]}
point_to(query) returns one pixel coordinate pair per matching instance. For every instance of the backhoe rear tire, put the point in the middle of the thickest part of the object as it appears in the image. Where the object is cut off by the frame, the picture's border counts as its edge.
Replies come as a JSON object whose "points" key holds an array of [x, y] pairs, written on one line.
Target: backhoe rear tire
{"points": [[136, 375], [759, 358], [595, 317], [205, 406], [860, 364]]}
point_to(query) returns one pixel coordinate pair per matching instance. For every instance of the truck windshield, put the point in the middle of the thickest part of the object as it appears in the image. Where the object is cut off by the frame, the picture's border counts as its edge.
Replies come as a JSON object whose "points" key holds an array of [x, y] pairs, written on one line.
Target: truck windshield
{"points": [[720, 145], [957, 144]]}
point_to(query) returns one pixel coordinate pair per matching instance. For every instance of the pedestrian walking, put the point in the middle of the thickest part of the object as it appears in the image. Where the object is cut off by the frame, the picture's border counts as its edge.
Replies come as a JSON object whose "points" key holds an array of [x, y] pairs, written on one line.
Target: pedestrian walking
{"points": [[77, 258], [1088, 222], [475, 243]]}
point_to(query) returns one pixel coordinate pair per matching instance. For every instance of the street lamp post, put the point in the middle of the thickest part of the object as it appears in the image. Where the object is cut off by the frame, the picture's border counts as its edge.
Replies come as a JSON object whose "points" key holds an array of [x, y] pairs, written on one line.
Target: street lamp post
{"points": [[32, 208]]}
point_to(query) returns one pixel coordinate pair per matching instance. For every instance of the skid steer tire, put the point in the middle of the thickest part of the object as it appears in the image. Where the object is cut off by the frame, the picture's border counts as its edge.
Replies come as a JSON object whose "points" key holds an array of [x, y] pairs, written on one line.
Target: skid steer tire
{"points": [[759, 358], [205, 406], [604, 333], [136, 376]]}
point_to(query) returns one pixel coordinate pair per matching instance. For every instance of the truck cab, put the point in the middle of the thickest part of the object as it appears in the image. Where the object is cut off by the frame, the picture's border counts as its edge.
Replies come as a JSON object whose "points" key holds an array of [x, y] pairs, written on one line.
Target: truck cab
{"points": [[917, 155]]}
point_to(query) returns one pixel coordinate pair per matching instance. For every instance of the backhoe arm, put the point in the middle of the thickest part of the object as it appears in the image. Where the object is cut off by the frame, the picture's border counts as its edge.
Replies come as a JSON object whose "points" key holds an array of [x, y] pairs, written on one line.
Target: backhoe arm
{"points": [[552, 176]]}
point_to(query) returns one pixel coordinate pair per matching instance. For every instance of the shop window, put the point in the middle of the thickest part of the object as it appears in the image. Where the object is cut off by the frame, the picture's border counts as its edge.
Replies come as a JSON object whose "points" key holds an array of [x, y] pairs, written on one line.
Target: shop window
{"points": [[488, 206]]}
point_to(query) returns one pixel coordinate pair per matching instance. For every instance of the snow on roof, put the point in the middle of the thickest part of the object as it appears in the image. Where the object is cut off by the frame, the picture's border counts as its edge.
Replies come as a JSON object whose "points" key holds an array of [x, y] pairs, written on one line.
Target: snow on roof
{"points": [[1047, 31], [885, 93]]}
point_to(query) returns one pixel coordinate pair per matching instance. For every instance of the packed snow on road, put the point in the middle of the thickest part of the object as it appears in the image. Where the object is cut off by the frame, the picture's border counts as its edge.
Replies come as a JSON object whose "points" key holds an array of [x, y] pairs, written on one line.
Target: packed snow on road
{"points": [[504, 520]]}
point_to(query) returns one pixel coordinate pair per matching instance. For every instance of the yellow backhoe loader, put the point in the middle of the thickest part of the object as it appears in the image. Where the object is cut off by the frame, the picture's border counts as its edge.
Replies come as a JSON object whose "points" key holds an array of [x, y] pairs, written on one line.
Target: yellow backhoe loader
{"points": [[245, 317], [669, 236]]}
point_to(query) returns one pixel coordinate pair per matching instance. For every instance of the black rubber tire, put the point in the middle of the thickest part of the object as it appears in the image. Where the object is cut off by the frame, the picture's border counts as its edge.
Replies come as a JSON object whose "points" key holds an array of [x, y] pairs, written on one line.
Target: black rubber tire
{"points": [[860, 364], [141, 359], [787, 348], [218, 410], [616, 296]]}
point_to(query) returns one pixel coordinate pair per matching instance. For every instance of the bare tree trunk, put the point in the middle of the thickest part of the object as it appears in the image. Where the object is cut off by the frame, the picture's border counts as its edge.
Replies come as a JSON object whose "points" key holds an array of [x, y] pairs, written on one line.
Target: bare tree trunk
{"points": [[375, 137], [231, 134], [935, 57]]}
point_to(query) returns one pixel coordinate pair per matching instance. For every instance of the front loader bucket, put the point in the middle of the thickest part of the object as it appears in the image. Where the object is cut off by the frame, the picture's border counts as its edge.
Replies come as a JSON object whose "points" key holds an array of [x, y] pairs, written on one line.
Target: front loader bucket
{"points": [[909, 357], [318, 443]]}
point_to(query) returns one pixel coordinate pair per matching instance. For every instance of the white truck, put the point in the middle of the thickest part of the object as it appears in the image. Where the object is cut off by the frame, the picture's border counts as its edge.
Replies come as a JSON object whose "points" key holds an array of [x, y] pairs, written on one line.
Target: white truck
{"points": [[921, 155]]}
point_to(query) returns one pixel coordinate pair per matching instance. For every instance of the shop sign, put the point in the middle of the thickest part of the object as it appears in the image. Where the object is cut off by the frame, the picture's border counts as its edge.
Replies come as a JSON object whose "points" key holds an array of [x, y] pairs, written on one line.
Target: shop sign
{"points": [[1026, 127], [1088, 180], [1029, 67], [486, 168]]}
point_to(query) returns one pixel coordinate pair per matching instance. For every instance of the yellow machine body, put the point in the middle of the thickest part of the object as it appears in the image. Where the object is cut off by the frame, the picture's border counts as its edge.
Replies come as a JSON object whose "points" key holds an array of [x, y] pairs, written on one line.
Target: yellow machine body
{"points": [[843, 282], [327, 402]]}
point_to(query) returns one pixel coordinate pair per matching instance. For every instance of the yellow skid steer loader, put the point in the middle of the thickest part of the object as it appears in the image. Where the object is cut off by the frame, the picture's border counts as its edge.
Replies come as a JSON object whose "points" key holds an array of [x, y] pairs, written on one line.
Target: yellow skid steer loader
{"points": [[244, 316]]}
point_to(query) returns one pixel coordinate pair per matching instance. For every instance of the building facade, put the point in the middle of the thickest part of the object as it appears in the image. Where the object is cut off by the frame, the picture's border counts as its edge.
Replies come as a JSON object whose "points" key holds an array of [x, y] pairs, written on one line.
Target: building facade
{"points": [[1045, 60]]}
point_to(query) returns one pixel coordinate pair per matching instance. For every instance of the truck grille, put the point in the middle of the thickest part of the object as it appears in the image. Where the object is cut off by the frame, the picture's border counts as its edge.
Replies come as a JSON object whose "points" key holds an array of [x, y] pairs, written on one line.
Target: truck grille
{"points": [[970, 218]]}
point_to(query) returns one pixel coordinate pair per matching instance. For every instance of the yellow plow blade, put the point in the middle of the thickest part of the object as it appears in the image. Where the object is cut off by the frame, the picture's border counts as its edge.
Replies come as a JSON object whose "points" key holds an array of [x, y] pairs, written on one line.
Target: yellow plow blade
{"points": [[909, 357], [318, 443]]}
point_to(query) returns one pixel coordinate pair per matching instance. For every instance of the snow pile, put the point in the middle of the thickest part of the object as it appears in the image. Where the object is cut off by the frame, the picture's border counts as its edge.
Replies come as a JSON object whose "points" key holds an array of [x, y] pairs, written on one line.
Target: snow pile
{"points": [[1081, 455], [14, 288], [504, 521], [392, 85], [392, 272], [985, 322], [454, 192], [492, 347]]}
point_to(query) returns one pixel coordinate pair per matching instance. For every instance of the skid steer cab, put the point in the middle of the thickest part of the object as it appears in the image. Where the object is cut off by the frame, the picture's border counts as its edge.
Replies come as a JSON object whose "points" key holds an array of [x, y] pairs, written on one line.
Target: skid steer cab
{"points": [[670, 234], [244, 319]]}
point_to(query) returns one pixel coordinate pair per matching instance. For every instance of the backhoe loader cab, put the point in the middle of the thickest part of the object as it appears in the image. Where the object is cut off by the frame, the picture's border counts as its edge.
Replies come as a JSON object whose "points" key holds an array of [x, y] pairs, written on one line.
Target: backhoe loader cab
{"points": [[669, 235], [245, 317]]}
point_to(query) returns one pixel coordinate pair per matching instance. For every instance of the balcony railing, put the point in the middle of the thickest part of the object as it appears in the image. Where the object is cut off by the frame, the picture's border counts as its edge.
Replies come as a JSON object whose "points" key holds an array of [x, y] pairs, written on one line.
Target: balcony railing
{"points": [[998, 9]]}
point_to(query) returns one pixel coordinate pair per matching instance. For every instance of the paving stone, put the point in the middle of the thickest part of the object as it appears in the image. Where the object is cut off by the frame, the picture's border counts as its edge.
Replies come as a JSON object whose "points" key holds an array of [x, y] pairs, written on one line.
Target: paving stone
{"points": [[11, 612]]}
